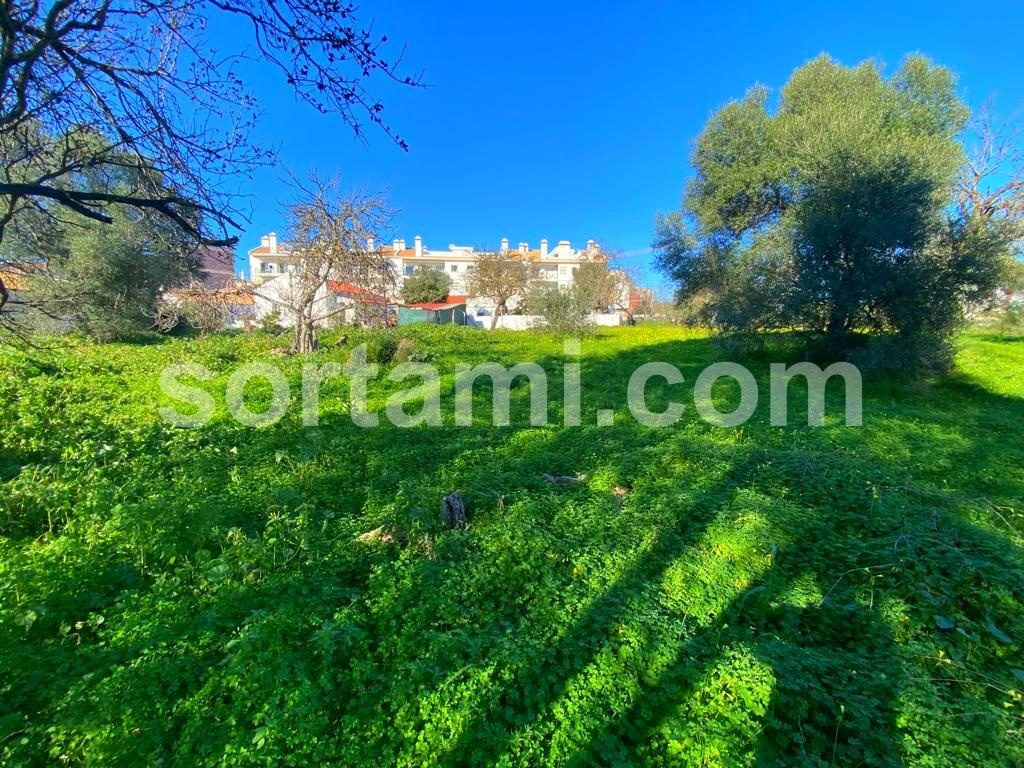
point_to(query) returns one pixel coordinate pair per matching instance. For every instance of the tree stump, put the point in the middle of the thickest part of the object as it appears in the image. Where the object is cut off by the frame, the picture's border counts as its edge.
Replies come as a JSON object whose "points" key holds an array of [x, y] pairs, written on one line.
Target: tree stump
{"points": [[453, 511]]}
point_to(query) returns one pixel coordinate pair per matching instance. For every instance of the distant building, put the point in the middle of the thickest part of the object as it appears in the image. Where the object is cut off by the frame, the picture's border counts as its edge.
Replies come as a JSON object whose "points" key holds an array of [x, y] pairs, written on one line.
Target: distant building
{"points": [[272, 262], [556, 266], [336, 302], [269, 259]]}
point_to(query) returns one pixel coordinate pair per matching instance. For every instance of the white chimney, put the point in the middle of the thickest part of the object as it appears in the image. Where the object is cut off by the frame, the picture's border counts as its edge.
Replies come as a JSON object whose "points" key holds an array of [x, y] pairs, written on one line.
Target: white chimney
{"points": [[369, 243], [265, 241], [564, 248], [544, 249], [504, 243], [419, 246], [401, 245], [591, 245], [523, 248], [395, 245], [272, 242]]}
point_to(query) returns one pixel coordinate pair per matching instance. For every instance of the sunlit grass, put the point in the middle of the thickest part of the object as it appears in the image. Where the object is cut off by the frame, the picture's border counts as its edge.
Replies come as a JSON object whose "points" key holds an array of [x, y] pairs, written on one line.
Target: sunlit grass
{"points": [[703, 596]]}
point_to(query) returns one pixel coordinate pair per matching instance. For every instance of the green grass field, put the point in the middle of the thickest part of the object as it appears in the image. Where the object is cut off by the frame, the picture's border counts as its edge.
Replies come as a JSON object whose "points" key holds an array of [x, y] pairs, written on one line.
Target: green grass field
{"points": [[708, 596]]}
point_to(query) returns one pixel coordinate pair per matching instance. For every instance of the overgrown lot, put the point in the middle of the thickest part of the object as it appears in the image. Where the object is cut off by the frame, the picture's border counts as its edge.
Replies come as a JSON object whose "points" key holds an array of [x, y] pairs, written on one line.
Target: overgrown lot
{"points": [[707, 596]]}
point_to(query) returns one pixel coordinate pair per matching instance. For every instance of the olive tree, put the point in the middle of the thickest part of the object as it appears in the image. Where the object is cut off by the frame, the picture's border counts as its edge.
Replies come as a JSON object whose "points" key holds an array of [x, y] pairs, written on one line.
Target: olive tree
{"points": [[828, 210], [426, 285]]}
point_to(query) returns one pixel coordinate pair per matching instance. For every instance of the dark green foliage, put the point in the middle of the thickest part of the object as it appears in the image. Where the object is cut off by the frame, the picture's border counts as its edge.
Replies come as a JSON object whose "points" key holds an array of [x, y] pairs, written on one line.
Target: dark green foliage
{"points": [[426, 285], [707, 597], [103, 279], [106, 279], [381, 347], [828, 214]]}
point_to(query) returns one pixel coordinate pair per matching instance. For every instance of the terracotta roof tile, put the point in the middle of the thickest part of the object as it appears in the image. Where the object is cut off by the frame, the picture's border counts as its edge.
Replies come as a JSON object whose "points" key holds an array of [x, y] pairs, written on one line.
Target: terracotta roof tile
{"points": [[353, 291]]}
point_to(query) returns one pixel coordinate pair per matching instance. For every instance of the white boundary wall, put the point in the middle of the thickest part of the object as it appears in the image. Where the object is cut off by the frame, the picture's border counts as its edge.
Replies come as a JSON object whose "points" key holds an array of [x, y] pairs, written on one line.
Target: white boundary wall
{"points": [[525, 322]]}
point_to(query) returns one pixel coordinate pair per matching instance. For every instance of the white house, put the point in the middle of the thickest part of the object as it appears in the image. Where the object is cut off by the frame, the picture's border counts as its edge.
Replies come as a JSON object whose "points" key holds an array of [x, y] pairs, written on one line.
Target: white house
{"points": [[553, 265], [335, 302], [270, 258]]}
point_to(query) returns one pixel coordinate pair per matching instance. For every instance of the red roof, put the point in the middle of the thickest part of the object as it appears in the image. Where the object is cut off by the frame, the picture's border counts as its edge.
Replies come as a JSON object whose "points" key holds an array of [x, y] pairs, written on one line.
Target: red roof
{"points": [[353, 291]]}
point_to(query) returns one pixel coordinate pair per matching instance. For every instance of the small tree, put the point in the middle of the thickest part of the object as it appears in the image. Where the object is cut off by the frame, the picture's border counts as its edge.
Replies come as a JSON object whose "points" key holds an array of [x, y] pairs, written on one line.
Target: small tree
{"points": [[596, 285], [426, 285], [605, 284], [329, 230], [561, 311], [204, 309], [499, 276]]}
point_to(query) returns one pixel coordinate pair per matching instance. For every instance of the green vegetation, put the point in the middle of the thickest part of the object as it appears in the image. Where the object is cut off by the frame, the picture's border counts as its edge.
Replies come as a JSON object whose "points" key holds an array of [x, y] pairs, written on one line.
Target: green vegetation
{"points": [[703, 597], [426, 285], [561, 310], [105, 279], [839, 209]]}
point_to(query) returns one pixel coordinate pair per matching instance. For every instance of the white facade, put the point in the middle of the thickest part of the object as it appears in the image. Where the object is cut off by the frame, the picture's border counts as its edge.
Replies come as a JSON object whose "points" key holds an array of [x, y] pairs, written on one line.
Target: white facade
{"points": [[270, 259], [552, 265], [555, 265]]}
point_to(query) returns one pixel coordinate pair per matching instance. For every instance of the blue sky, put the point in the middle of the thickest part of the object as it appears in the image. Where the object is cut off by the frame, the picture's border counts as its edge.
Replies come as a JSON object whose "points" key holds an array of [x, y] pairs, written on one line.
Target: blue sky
{"points": [[574, 120]]}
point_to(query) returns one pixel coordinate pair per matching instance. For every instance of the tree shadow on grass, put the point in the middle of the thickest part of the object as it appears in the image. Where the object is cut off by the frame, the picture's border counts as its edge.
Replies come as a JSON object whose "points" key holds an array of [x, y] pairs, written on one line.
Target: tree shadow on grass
{"points": [[744, 595]]}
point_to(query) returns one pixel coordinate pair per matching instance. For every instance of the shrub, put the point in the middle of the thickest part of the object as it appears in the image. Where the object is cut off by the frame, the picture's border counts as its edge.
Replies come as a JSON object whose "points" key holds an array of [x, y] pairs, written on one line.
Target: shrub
{"points": [[561, 311], [407, 352], [381, 348], [271, 322]]}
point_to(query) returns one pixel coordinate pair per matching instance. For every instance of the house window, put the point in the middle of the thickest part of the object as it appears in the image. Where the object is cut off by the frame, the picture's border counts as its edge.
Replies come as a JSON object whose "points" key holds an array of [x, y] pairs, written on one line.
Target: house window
{"points": [[563, 270], [266, 267], [409, 269], [455, 267], [439, 267]]}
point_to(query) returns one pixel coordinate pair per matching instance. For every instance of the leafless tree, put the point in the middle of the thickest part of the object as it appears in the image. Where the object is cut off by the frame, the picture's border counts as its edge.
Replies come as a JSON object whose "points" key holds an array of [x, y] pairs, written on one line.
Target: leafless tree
{"points": [[499, 276], [992, 180], [329, 230], [609, 279], [89, 88], [597, 285]]}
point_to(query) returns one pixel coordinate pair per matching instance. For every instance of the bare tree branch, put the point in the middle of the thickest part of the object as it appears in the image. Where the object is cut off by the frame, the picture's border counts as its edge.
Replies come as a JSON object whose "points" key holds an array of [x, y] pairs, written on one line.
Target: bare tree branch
{"points": [[329, 231], [991, 183], [91, 85]]}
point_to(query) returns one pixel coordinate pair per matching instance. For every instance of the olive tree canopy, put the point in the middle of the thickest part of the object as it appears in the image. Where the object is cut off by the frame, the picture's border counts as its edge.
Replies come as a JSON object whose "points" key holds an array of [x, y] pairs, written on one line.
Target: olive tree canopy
{"points": [[831, 211]]}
